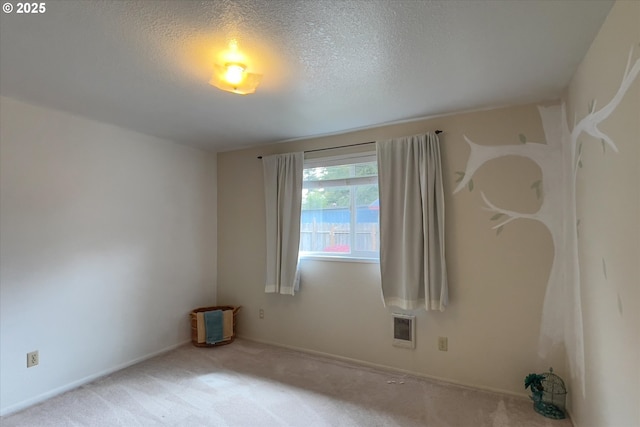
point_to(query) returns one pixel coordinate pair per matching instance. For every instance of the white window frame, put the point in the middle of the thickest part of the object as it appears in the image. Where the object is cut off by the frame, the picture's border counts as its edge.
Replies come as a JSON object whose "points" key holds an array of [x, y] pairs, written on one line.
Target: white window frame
{"points": [[345, 159]]}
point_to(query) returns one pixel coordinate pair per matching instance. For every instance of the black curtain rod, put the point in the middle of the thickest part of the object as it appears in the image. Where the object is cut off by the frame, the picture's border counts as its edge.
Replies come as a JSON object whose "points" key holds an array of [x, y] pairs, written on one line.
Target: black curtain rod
{"points": [[345, 146]]}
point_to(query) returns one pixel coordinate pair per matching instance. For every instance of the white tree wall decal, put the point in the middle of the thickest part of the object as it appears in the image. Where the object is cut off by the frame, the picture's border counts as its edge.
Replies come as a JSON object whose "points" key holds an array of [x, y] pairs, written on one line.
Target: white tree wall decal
{"points": [[559, 160]]}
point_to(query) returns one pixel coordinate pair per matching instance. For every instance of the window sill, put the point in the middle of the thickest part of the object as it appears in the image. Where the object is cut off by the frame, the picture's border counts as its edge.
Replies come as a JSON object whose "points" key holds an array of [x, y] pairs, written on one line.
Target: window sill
{"points": [[339, 259]]}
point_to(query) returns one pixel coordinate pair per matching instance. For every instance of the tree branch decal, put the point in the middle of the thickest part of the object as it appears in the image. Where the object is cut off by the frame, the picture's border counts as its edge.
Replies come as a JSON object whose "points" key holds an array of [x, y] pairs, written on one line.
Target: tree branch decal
{"points": [[559, 160], [480, 154], [589, 124], [501, 213]]}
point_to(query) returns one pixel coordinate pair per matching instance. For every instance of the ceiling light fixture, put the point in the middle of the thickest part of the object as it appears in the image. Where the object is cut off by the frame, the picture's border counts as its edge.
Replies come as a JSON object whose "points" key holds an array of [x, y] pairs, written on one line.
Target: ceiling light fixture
{"points": [[234, 77]]}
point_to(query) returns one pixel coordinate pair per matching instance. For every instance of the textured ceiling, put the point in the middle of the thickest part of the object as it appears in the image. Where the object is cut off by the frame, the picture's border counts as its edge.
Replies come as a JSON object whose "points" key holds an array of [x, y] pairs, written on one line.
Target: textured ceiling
{"points": [[328, 66]]}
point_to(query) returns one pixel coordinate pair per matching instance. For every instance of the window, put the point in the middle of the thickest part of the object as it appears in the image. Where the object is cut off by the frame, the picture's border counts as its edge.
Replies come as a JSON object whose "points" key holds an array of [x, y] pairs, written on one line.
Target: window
{"points": [[340, 209]]}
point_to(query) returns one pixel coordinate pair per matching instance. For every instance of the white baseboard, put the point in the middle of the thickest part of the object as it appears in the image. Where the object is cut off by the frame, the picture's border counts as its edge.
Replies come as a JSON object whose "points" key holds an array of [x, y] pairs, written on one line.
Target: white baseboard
{"points": [[75, 384], [387, 368]]}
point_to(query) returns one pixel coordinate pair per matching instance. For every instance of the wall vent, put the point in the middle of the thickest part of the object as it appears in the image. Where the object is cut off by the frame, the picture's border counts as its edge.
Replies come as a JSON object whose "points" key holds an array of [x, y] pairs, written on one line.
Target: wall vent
{"points": [[404, 331]]}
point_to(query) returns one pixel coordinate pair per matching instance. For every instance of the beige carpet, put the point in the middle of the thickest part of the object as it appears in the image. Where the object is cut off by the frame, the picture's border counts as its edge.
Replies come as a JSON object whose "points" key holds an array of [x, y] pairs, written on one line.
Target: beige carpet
{"points": [[250, 384]]}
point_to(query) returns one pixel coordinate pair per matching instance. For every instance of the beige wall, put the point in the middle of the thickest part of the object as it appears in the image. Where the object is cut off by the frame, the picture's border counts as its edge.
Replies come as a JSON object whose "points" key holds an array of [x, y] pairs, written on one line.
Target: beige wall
{"points": [[608, 207], [107, 242], [497, 283]]}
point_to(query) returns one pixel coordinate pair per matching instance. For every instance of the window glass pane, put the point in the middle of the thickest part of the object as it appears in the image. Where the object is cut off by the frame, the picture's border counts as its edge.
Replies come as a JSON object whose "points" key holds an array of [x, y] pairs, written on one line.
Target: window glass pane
{"points": [[326, 198], [367, 238], [326, 220], [341, 217], [325, 173], [366, 169]]}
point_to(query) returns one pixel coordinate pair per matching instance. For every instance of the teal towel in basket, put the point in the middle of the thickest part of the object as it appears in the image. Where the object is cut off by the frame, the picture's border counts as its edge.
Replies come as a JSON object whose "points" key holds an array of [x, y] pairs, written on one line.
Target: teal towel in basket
{"points": [[213, 325]]}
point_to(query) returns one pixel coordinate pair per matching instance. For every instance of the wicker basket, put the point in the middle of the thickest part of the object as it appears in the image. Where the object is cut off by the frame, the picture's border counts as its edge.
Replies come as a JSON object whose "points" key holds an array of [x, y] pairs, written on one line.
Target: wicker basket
{"points": [[194, 325]]}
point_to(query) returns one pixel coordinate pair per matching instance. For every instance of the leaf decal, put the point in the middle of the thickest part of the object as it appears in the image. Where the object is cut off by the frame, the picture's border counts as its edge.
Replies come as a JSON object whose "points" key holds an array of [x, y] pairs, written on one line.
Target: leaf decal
{"points": [[620, 305], [470, 185], [604, 146], [580, 164], [523, 138], [580, 148], [536, 185], [604, 268], [497, 216], [578, 228], [592, 106], [460, 176], [499, 230]]}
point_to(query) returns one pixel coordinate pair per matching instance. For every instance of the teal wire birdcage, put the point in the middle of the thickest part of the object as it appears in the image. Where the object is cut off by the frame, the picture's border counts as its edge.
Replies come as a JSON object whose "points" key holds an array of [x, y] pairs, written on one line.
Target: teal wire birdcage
{"points": [[548, 393]]}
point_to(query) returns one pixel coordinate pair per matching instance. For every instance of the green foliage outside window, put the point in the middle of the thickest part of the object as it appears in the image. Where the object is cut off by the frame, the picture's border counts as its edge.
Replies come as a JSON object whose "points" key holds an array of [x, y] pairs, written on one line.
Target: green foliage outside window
{"points": [[339, 197]]}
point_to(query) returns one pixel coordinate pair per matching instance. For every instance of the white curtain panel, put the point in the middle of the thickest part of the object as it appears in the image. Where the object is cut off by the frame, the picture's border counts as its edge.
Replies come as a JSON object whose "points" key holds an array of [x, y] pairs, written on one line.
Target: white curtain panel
{"points": [[283, 202], [412, 260]]}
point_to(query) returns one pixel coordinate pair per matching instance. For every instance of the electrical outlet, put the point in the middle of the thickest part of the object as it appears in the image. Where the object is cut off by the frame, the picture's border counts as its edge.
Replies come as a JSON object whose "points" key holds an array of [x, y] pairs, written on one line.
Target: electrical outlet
{"points": [[261, 313], [443, 343], [33, 359]]}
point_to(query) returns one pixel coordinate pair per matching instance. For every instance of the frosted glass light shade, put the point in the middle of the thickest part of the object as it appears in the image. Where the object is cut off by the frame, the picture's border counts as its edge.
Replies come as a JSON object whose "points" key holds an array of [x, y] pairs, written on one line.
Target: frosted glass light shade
{"points": [[234, 78]]}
